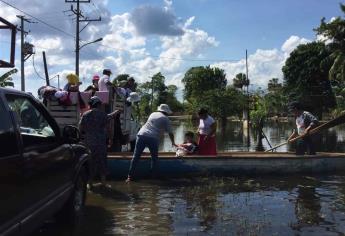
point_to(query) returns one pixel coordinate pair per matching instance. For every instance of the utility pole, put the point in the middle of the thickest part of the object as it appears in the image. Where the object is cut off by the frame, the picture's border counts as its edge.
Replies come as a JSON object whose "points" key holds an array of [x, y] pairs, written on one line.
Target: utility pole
{"points": [[25, 49], [152, 90], [45, 68], [248, 103], [79, 18], [58, 81]]}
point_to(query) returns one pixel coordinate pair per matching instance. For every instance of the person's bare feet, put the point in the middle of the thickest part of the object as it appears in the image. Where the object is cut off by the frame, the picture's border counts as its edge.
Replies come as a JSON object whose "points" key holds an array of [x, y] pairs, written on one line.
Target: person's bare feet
{"points": [[129, 179]]}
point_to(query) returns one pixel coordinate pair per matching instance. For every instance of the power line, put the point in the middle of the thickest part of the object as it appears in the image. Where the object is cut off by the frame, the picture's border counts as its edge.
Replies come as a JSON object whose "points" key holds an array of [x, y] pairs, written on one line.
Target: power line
{"points": [[33, 65], [39, 20], [121, 49], [97, 9], [174, 58]]}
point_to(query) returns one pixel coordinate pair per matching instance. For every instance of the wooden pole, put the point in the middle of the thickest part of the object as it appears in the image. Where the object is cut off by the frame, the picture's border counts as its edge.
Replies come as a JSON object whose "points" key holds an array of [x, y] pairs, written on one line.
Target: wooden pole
{"points": [[336, 121], [22, 74], [248, 103], [45, 68]]}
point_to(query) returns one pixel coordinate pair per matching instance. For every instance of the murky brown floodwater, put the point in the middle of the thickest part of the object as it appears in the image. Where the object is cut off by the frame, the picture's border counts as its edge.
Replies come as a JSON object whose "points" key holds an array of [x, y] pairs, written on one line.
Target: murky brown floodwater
{"points": [[295, 205]]}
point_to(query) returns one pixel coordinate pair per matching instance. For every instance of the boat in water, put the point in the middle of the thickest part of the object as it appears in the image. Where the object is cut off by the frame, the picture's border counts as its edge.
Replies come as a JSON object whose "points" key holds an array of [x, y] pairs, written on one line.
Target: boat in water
{"points": [[228, 163]]}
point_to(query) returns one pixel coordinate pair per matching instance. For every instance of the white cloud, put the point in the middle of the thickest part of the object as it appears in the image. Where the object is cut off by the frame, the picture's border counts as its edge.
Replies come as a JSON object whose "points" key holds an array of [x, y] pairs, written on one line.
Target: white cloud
{"points": [[125, 51], [193, 43], [291, 43], [263, 65], [122, 35]]}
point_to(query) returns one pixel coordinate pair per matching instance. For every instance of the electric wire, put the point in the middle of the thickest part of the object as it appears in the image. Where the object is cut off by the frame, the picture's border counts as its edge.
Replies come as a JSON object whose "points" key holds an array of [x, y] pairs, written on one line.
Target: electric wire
{"points": [[120, 49], [33, 65]]}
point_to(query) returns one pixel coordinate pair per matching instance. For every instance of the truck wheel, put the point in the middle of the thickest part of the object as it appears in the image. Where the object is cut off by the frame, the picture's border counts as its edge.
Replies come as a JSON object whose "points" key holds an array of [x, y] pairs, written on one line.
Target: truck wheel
{"points": [[71, 212]]}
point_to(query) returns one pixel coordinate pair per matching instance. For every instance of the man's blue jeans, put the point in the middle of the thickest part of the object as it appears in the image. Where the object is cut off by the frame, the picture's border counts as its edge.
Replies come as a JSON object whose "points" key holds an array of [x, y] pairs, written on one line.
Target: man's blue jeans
{"points": [[141, 143]]}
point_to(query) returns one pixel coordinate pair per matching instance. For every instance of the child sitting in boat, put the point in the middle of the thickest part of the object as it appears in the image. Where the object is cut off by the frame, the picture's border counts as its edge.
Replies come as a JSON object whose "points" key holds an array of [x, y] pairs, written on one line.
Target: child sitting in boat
{"points": [[188, 147]]}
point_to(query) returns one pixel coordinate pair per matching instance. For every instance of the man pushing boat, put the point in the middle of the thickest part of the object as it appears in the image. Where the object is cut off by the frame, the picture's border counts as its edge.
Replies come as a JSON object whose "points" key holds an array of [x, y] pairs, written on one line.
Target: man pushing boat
{"points": [[305, 121], [149, 135]]}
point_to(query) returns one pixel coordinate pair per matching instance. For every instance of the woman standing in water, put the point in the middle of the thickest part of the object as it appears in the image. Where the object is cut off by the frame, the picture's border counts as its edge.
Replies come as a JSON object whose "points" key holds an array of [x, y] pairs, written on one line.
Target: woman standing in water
{"points": [[207, 134], [94, 125]]}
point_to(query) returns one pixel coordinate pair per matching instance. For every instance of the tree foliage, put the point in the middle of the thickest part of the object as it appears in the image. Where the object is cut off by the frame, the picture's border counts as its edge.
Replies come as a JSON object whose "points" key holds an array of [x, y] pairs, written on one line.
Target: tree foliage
{"points": [[6, 79], [155, 92], [200, 80], [274, 86], [306, 77], [240, 81], [206, 87], [334, 32]]}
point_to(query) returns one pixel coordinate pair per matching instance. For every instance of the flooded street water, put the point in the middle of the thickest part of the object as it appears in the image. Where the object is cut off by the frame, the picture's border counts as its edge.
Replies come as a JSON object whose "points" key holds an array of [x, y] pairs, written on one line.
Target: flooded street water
{"points": [[232, 136], [301, 205], [293, 205]]}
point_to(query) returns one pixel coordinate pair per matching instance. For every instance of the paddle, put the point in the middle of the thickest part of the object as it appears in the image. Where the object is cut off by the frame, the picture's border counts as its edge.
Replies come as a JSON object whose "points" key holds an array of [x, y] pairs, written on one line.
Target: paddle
{"points": [[336, 121]]}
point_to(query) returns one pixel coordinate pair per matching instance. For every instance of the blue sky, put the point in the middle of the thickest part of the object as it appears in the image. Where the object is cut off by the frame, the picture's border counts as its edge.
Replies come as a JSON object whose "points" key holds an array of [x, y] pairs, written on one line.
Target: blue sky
{"points": [[144, 37], [247, 24]]}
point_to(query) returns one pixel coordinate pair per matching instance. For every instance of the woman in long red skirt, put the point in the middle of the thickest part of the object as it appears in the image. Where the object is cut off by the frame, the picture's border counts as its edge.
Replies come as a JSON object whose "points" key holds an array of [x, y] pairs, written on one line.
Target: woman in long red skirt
{"points": [[207, 134]]}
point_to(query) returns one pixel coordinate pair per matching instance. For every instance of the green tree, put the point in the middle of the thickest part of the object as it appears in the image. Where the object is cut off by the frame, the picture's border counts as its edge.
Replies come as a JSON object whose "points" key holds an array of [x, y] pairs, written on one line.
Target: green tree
{"points": [[240, 81], [274, 85], [335, 32], [199, 80], [206, 87], [306, 77], [275, 100], [259, 109], [121, 77], [155, 92], [6, 79]]}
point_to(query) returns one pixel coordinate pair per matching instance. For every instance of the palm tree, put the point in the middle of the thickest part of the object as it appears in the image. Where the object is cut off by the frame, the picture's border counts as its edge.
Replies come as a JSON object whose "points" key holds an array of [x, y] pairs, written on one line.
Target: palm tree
{"points": [[6, 79], [240, 81]]}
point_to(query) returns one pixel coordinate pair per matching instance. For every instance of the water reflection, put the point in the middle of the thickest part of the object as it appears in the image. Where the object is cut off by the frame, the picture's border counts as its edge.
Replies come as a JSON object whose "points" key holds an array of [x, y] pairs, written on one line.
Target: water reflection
{"points": [[215, 206], [232, 137], [294, 205]]}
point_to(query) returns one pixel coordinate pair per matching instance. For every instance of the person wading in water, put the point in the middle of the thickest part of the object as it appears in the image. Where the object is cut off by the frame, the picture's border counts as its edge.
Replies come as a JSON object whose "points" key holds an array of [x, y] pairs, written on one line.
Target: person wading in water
{"points": [[93, 125], [149, 135]]}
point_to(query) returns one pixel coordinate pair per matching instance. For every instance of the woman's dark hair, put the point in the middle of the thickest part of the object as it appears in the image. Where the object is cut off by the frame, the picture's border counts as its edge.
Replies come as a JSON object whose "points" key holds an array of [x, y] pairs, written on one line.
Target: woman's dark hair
{"points": [[202, 111], [295, 105], [94, 105]]}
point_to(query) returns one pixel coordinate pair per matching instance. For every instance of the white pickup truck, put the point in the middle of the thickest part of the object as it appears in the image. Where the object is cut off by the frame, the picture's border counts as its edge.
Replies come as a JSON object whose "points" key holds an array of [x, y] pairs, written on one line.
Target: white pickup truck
{"points": [[70, 115]]}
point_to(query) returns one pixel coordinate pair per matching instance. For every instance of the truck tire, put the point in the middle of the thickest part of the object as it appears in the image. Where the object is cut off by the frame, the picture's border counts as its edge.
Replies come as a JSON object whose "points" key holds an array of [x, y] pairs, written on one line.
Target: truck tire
{"points": [[71, 212]]}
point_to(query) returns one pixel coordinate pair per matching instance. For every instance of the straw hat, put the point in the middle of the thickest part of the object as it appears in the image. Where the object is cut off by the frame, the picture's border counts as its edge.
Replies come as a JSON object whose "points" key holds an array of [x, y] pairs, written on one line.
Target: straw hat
{"points": [[72, 78], [164, 108]]}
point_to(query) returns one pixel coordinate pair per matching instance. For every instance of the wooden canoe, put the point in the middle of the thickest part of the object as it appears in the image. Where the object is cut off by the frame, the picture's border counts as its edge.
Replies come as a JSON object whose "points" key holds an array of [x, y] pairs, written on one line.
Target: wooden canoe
{"points": [[229, 163]]}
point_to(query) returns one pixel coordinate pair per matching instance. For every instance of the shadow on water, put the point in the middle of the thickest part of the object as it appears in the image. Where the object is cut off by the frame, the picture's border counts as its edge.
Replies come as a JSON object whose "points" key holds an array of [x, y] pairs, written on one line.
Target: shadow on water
{"points": [[95, 221]]}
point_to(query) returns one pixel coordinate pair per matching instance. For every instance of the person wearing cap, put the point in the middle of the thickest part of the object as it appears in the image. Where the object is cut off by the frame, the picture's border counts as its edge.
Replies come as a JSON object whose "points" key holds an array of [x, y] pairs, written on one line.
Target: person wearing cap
{"points": [[305, 121], [149, 135], [93, 125], [104, 82], [207, 133], [94, 87]]}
